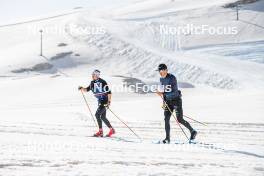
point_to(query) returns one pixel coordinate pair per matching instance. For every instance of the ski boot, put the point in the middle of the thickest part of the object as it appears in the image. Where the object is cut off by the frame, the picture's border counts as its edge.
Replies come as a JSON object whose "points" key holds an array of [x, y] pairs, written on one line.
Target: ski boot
{"points": [[166, 141], [99, 133], [111, 132], [193, 135]]}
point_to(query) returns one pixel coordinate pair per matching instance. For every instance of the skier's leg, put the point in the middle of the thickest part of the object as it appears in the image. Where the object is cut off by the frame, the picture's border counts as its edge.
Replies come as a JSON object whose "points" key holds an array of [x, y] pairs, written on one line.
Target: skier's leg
{"points": [[167, 115], [98, 115], [105, 120], [179, 114]]}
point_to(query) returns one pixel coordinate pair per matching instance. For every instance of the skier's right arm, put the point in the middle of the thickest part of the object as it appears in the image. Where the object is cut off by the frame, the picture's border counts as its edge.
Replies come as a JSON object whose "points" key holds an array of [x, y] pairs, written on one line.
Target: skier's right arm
{"points": [[160, 93], [87, 89]]}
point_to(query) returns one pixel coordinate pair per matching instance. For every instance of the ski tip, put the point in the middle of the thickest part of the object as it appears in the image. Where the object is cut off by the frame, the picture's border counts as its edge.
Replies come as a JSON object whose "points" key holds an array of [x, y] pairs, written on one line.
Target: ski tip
{"points": [[159, 142], [192, 142], [156, 142], [109, 135], [96, 136]]}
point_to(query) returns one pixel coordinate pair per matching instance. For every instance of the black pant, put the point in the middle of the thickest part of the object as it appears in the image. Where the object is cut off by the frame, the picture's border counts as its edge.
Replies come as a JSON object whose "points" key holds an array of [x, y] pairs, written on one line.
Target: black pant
{"points": [[176, 105], [101, 116]]}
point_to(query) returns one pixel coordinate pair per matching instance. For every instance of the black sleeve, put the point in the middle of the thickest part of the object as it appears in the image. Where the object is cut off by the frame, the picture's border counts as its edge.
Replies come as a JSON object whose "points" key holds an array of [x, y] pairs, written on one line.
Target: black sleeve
{"points": [[174, 81], [106, 87], [174, 84]]}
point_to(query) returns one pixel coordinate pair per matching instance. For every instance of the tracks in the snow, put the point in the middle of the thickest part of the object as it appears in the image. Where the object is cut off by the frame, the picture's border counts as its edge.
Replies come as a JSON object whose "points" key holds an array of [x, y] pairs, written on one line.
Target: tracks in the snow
{"points": [[230, 134], [65, 146]]}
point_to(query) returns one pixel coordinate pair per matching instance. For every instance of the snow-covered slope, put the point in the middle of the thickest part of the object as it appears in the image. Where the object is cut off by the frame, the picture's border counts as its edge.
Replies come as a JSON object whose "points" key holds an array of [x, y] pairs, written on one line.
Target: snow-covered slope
{"points": [[138, 46], [138, 60], [14, 11], [153, 7], [248, 28]]}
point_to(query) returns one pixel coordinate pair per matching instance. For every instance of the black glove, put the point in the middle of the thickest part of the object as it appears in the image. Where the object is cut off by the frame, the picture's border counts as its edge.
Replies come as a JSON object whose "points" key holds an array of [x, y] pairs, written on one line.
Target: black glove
{"points": [[107, 104]]}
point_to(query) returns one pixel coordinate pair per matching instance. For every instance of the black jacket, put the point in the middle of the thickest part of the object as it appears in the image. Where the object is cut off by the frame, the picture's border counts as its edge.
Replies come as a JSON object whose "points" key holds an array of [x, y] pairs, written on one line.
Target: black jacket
{"points": [[170, 84], [100, 90]]}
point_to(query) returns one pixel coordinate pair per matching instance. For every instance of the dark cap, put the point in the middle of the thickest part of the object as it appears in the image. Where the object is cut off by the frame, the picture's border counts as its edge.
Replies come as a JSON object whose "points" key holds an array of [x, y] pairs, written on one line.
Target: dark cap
{"points": [[96, 72], [162, 67]]}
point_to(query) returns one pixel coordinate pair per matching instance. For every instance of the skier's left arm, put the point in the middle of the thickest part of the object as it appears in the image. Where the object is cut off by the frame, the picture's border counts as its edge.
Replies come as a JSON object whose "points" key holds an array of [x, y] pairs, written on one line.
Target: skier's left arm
{"points": [[160, 90], [108, 92]]}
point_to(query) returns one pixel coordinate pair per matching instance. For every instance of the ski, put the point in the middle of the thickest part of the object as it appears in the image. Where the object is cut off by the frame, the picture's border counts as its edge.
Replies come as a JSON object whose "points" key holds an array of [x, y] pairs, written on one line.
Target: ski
{"points": [[96, 136], [115, 138], [175, 142]]}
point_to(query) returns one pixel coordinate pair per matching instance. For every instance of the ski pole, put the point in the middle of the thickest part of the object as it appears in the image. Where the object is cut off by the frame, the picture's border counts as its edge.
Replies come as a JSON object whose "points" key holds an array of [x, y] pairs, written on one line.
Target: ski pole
{"points": [[192, 118], [89, 108], [195, 120], [124, 123], [174, 117]]}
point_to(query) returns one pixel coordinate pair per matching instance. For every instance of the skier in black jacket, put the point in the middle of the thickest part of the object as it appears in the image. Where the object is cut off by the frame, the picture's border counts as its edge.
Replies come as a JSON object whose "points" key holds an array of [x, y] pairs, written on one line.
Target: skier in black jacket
{"points": [[101, 91], [172, 100]]}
